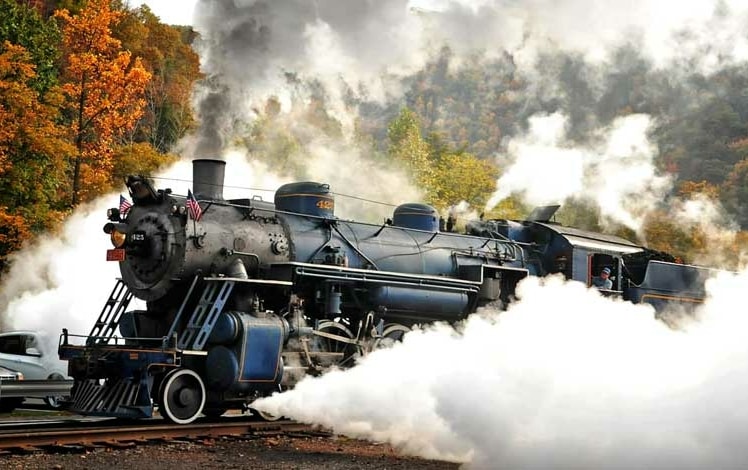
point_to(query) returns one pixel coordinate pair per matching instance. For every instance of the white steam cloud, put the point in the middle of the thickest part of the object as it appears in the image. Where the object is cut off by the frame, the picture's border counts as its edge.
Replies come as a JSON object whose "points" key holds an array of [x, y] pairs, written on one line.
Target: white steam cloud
{"points": [[565, 378], [617, 171], [61, 281]]}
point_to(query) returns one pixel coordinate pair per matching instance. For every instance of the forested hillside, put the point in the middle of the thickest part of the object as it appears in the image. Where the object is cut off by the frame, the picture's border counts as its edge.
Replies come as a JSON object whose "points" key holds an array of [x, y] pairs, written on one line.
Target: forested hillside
{"points": [[91, 91], [88, 93]]}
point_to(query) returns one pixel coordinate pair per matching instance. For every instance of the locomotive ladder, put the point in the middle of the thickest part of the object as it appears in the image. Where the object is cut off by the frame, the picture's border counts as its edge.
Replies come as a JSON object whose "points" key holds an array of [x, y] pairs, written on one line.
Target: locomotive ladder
{"points": [[204, 317], [109, 317]]}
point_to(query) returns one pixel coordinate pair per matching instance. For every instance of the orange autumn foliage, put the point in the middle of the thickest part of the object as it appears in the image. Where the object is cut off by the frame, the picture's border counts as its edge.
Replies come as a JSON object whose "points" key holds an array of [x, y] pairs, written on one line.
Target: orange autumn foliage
{"points": [[104, 88], [33, 151], [13, 231]]}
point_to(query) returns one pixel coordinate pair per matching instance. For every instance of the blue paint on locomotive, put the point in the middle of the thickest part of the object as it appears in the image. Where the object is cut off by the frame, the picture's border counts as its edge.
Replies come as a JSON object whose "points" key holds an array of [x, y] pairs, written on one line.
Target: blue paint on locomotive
{"points": [[305, 198], [392, 248], [260, 351], [248, 352], [416, 216], [404, 298]]}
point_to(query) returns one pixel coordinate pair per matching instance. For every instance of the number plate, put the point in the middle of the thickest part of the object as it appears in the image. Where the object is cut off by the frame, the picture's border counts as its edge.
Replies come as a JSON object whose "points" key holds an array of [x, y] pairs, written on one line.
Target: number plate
{"points": [[116, 254]]}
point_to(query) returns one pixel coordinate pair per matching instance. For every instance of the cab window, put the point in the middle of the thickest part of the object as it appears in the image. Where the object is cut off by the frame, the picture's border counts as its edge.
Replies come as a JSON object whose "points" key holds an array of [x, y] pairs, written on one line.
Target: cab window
{"points": [[600, 261]]}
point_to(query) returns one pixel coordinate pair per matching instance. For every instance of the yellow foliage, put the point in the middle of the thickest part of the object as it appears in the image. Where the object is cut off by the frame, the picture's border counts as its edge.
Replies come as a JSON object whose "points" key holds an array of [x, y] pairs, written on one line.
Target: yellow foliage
{"points": [[689, 189], [104, 89], [662, 233], [462, 177], [137, 159], [13, 231]]}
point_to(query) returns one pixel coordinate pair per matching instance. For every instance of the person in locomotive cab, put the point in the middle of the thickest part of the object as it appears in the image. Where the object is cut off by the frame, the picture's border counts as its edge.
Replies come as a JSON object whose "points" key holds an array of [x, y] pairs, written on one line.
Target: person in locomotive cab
{"points": [[603, 280]]}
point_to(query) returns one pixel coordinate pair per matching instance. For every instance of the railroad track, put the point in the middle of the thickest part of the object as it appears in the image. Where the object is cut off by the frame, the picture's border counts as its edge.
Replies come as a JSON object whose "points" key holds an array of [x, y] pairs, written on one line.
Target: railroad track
{"points": [[61, 437]]}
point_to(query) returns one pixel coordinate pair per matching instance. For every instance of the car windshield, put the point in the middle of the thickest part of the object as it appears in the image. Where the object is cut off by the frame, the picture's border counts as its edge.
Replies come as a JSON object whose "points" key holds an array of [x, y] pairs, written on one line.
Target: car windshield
{"points": [[16, 344]]}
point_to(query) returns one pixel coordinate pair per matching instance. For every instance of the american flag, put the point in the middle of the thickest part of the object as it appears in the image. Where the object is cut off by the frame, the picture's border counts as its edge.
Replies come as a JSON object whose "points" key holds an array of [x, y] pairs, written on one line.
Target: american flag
{"points": [[124, 205], [193, 206]]}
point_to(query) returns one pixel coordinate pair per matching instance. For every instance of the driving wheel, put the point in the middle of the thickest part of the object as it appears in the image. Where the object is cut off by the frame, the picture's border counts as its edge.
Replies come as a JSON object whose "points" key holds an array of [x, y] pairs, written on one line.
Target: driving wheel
{"points": [[182, 396], [392, 333]]}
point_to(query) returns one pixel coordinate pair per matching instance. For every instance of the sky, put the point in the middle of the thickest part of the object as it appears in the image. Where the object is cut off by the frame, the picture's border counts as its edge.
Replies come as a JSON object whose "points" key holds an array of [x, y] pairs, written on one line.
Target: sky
{"points": [[170, 11], [180, 11]]}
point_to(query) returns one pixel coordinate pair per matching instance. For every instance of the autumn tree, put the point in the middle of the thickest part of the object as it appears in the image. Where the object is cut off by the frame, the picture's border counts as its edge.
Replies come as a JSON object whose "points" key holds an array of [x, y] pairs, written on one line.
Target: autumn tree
{"points": [[692, 189], [409, 149], [139, 158], [734, 193], [174, 66], [663, 233], [463, 177], [104, 90], [13, 231], [32, 150], [24, 26]]}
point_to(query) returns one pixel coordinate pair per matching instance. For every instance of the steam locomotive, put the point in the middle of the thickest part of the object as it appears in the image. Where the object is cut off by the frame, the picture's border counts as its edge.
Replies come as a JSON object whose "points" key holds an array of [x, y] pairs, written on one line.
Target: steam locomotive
{"points": [[244, 297]]}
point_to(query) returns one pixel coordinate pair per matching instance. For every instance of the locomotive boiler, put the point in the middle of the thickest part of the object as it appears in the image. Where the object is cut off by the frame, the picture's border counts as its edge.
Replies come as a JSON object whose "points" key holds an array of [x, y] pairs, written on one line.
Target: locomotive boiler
{"points": [[244, 296]]}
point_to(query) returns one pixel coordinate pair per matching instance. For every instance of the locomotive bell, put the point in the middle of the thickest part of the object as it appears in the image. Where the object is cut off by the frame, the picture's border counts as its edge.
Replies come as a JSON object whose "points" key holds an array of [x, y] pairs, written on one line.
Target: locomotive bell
{"points": [[207, 178]]}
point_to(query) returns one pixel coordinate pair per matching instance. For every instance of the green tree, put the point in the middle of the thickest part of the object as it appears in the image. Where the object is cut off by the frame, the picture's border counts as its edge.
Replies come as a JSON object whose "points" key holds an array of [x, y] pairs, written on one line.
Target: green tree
{"points": [[462, 177], [408, 148], [137, 159], [23, 25], [33, 150], [174, 67], [734, 192]]}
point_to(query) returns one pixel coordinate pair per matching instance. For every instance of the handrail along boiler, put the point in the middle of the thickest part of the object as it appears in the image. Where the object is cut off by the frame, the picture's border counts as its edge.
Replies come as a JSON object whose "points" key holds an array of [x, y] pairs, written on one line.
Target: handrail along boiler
{"points": [[254, 295]]}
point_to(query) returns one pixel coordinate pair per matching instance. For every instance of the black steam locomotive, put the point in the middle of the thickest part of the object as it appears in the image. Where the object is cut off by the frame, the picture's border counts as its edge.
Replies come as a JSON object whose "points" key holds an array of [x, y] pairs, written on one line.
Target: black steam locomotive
{"points": [[248, 296]]}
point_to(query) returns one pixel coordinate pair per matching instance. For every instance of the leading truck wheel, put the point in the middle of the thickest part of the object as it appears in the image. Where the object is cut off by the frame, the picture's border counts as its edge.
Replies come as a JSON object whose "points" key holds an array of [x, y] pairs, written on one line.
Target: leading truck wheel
{"points": [[182, 396]]}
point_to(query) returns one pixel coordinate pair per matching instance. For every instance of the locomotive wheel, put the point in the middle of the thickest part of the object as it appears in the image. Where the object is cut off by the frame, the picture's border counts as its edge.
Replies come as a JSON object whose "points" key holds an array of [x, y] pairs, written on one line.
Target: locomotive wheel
{"points": [[182, 396], [265, 416], [350, 351], [391, 334]]}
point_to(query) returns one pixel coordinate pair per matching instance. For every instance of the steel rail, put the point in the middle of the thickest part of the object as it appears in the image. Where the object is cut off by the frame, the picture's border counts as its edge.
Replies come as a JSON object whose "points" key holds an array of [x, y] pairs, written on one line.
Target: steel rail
{"points": [[139, 433]]}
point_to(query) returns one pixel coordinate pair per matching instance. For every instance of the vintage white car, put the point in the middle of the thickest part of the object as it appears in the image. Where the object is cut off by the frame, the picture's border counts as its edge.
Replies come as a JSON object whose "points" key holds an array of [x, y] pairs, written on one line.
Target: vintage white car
{"points": [[26, 352], [8, 404]]}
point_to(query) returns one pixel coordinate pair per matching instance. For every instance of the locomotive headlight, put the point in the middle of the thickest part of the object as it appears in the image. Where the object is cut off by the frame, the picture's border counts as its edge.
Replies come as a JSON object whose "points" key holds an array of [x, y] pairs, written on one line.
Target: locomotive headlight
{"points": [[118, 238], [117, 233]]}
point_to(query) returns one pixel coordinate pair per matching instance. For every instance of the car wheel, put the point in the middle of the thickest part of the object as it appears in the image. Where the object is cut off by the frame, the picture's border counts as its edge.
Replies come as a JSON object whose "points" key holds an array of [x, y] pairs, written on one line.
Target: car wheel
{"points": [[55, 402]]}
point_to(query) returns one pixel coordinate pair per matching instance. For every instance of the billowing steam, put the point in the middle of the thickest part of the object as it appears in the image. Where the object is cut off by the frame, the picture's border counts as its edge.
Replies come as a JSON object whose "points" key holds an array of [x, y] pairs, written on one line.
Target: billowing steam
{"points": [[63, 281], [256, 49], [358, 54], [617, 171], [565, 378]]}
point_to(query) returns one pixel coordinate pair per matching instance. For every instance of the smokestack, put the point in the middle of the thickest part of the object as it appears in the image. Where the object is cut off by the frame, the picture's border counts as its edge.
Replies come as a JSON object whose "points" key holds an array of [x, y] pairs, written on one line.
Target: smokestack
{"points": [[207, 178]]}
